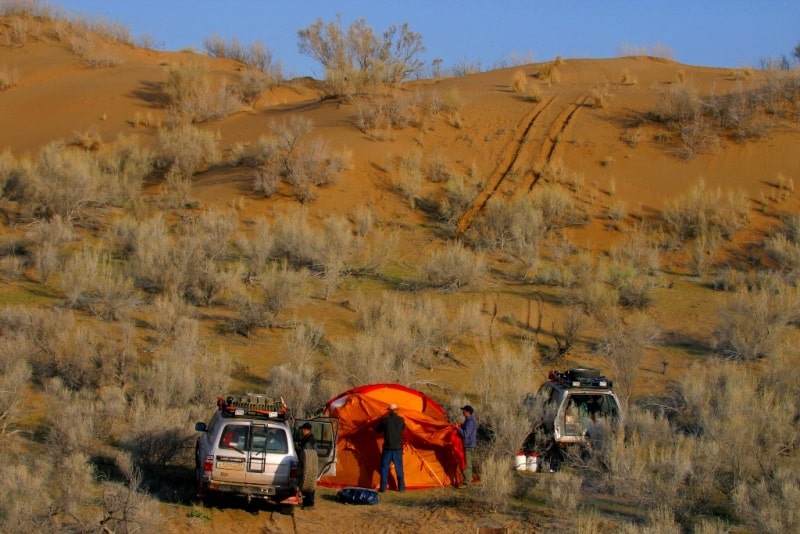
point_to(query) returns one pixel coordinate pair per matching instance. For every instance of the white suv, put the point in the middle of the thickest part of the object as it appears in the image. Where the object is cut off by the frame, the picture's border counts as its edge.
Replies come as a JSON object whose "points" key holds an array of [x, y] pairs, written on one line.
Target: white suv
{"points": [[248, 448], [577, 406]]}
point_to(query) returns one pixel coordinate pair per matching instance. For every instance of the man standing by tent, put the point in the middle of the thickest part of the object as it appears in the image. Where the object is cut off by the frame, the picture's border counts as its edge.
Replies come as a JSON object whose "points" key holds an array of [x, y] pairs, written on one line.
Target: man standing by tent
{"points": [[468, 430], [392, 427]]}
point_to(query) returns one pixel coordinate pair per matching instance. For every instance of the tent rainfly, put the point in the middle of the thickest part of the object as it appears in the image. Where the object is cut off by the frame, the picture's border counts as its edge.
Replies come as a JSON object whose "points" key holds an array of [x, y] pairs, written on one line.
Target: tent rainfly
{"points": [[433, 455]]}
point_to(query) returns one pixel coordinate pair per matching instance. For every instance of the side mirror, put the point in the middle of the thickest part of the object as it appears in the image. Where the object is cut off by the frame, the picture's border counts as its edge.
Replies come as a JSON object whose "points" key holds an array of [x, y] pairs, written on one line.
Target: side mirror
{"points": [[200, 426]]}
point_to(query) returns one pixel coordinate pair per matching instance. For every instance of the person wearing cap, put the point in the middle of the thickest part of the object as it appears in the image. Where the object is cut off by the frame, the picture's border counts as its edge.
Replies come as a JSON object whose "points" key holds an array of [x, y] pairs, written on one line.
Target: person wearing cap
{"points": [[307, 441], [468, 431], [392, 426]]}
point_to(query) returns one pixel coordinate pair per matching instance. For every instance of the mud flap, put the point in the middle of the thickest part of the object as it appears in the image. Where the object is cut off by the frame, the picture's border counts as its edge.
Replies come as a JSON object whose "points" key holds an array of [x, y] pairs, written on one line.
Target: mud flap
{"points": [[294, 500]]}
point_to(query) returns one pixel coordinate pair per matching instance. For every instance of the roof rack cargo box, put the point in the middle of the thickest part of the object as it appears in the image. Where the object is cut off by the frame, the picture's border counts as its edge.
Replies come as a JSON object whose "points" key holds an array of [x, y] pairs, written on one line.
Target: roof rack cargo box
{"points": [[253, 404]]}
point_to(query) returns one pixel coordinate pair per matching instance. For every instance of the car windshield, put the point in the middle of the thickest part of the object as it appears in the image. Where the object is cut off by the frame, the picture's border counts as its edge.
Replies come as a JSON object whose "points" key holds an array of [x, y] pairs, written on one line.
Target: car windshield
{"points": [[588, 411]]}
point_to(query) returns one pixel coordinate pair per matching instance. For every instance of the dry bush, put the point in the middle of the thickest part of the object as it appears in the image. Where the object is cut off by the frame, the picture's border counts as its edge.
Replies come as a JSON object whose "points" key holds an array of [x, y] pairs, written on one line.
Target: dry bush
{"points": [[564, 491], [398, 337], [753, 323], [459, 193], [256, 55], [627, 78], [452, 269], [253, 83], [101, 58], [624, 345], [549, 73], [505, 379], [633, 269], [599, 96], [298, 380], [9, 77], [126, 165], [184, 81], [361, 57], [156, 437], [62, 182], [155, 263], [14, 374], [187, 149], [518, 228], [701, 211], [25, 485], [497, 481], [95, 282], [70, 420], [280, 287], [209, 103], [257, 248], [519, 81], [47, 237]]}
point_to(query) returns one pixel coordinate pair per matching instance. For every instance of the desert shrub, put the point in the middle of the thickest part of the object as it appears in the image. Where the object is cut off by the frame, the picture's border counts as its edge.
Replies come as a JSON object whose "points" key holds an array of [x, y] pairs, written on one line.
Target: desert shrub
{"points": [[252, 84], [281, 287], [256, 54], [93, 281], [289, 155], [298, 380], [519, 81], [633, 269], [564, 491], [155, 262], [47, 236], [700, 211], [258, 245], [126, 164], [9, 77], [209, 103], [27, 505], [187, 149], [453, 268], [752, 325], [359, 54], [100, 57], [294, 239], [624, 345], [506, 378], [157, 436], [128, 507], [184, 81], [14, 374], [599, 96], [61, 182], [769, 505], [70, 421], [497, 481], [459, 193], [549, 73]]}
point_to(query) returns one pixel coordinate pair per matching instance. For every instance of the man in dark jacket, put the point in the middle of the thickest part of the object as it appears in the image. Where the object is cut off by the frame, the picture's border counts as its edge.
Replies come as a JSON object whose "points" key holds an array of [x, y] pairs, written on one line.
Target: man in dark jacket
{"points": [[468, 430], [307, 441], [392, 427]]}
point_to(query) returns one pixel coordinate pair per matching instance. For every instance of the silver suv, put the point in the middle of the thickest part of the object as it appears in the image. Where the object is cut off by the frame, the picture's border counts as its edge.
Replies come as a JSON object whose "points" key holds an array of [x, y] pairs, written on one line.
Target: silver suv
{"points": [[577, 406], [248, 449]]}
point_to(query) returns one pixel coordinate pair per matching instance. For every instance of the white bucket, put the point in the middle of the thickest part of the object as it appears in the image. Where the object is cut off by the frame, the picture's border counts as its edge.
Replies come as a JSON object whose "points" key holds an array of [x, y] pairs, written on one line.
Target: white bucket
{"points": [[520, 462], [532, 462]]}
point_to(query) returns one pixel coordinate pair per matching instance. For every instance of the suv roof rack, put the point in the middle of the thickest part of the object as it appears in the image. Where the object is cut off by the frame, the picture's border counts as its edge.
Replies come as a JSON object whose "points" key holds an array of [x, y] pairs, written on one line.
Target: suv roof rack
{"points": [[579, 378], [253, 405]]}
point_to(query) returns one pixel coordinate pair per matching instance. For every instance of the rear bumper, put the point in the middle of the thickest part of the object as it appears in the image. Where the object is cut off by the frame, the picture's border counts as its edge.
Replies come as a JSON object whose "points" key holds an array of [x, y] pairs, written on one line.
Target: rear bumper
{"points": [[281, 494]]}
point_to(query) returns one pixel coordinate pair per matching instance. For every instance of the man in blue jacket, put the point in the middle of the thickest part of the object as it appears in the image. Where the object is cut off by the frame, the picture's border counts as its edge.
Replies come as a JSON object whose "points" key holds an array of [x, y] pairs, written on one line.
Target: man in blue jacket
{"points": [[468, 430]]}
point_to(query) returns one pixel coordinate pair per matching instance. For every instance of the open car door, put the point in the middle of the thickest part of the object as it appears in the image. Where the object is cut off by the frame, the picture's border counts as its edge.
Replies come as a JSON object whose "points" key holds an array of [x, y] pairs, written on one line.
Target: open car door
{"points": [[325, 430]]}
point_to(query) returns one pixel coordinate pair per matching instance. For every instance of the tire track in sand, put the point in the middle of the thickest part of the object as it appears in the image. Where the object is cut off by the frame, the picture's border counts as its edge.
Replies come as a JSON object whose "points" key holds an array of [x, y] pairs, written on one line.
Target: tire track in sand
{"points": [[505, 166], [552, 138]]}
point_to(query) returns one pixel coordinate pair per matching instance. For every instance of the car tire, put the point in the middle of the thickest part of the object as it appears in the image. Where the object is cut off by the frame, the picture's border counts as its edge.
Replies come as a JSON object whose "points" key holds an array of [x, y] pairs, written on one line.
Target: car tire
{"points": [[309, 463]]}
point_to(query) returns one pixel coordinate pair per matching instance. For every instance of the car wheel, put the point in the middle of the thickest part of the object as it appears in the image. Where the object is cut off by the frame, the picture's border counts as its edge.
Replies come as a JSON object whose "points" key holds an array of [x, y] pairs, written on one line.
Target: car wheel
{"points": [[308, 469]]}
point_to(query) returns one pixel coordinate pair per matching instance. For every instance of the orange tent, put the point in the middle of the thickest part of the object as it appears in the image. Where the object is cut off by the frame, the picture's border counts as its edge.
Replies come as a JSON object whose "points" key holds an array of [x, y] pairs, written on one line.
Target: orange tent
{"points": [[432, 451]]}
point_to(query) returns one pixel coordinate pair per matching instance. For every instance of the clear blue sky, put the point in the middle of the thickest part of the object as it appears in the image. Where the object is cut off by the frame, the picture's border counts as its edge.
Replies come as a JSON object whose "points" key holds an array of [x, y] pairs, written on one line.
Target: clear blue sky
{"points": [[718, 33]]}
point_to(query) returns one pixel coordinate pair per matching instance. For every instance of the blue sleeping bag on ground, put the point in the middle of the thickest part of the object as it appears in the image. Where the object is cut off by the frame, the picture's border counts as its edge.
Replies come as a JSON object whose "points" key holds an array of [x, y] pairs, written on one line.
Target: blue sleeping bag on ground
{"points": [[354, 495]]}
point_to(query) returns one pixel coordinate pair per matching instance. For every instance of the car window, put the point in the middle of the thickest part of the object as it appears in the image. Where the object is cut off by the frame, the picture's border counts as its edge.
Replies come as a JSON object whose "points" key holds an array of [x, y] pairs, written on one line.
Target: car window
{"points": [[234, 437], [270, 439]]}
